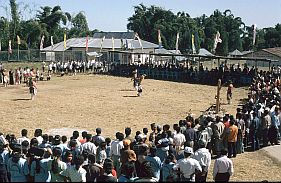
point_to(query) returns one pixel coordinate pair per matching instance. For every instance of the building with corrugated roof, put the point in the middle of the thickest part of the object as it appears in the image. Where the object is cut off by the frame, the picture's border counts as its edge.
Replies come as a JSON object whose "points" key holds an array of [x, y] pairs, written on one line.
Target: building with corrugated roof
{"points": [[102, 42], [268, 53]]}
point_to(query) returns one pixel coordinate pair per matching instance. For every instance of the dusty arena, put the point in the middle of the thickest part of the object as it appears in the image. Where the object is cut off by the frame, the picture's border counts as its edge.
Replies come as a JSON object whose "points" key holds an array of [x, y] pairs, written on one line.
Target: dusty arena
{"points": [[85, 102]]}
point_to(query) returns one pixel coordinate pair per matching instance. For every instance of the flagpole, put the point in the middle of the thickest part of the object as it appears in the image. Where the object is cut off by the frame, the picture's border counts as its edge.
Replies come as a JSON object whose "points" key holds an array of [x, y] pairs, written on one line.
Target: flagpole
{"points": [[18, 52]]}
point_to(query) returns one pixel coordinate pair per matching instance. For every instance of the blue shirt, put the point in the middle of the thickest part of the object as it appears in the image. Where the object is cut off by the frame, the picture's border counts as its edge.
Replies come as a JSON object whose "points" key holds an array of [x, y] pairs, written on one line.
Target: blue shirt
{"points": [[18, 171], [156, 165], [5, 155], [274, 120], [44, 174], [167, 171]]}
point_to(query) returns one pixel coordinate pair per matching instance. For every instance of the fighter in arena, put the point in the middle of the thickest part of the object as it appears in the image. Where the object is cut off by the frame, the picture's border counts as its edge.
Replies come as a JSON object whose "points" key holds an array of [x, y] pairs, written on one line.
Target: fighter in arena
{"points": [[139, 87]]}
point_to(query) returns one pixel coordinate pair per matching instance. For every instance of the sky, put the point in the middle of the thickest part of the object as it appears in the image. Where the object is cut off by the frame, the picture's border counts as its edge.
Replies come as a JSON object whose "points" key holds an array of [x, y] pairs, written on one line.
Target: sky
{"points": [[112, 15]]}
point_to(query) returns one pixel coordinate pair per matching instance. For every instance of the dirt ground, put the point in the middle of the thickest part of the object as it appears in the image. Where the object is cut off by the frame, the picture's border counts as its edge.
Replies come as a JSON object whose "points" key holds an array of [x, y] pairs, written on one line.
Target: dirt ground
{"points": [[85, 102]]}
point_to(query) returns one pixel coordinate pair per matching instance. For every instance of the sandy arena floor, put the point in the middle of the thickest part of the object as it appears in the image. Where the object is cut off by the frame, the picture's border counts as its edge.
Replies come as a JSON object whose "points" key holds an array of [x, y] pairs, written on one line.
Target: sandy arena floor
{"points": [[85, 102]]}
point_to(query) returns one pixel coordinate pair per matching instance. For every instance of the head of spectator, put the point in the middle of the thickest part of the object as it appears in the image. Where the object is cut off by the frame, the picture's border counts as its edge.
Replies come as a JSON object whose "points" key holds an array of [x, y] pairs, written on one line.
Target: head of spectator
{"points": [[64, 139], [153, 127], [91, 158], [128, 131], [159, 128], [51, 139], [202, 143], [37, 133], [72, 144], [24, 132], [56, 158], [108, 141], [25, 146], [88, 137], [188, 151], [98, 131], [147, 170], [75, 135], [224, 151], [188, 125], [145, 131], [78, 162], [84, 134], [57, 140], [69, 156], [45, 138], [34, 142], [166, 127], [153, 150], [108, 166]]}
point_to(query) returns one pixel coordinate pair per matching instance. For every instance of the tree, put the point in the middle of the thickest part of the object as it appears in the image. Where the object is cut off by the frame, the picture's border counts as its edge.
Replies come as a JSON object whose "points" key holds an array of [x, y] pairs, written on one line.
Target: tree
{"points": [[80, 26]]}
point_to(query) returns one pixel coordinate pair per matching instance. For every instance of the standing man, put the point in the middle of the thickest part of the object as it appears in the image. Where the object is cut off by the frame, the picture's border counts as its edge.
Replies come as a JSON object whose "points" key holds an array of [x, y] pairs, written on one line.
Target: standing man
{"points": [[188, 166], [232, 139], [223, 168], [229, 92], [203, 156]]}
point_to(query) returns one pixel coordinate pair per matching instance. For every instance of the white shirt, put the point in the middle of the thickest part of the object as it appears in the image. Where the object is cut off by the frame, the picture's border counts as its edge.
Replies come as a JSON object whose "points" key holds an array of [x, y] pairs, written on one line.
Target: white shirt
{"points": [[179, 139], [89, 146], [116, 146], [21, 139], [188, 166], [203, 156], [74, 175], [223, 165], [40, 140]]}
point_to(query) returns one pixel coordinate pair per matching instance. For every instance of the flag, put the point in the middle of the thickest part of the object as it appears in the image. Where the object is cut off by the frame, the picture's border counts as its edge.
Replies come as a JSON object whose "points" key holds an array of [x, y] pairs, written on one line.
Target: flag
{"points": [[193, 45], [52, 42], [87, 42], [112, 39], [159, 38], [137, 36], [10, 47], [177, 42], [254, 33], [64, 40], [217, 40], [42, 42], [101, 43], [18, 38]]}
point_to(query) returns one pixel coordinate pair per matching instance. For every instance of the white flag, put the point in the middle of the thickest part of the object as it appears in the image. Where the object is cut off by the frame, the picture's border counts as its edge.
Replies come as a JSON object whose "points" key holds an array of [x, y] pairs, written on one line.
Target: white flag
{"points": [[137, 36], [217, 40], [254, 33], [52, 42], [10, 47], [42, 42], [177, 42]]}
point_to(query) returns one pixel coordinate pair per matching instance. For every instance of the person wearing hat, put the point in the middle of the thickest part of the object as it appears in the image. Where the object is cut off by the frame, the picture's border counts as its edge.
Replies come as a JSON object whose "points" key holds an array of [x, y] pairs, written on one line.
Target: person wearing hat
{"points": [[188, 166], [223, 168], [203, 156]]}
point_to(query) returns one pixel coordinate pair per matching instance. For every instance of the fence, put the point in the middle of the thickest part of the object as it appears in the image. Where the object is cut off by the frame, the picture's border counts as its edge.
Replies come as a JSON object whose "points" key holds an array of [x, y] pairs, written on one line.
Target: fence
{"points": [[34, 55]]}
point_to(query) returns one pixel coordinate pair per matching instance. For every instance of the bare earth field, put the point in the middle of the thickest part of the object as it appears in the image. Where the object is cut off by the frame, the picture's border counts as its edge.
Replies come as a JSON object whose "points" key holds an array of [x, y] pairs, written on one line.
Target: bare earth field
{"points": [[85, 102]]}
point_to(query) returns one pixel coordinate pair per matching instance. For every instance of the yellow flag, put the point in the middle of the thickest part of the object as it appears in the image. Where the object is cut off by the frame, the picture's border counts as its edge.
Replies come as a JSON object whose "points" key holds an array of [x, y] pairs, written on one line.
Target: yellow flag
{"points": [[193, 45], [18, 38], [64, 40]]}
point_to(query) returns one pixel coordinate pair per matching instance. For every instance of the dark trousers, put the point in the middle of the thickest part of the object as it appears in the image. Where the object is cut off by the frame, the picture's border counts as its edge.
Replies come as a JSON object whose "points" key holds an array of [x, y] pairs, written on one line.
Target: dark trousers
{"points": [[272, 135], [255, 141], [222, 177], [231, 149], [201, 177], [265, 137]]}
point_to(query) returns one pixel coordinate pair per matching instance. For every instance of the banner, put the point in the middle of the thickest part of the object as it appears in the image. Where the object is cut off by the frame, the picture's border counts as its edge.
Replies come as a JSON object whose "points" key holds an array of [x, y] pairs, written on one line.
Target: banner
{"points": [[193, 45], [254, 34], [87, 42], [18, 39], [64, 40], [42, 42], [159, 38], [177, 41], [137, 36], [10, 47], [217, 40]]}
